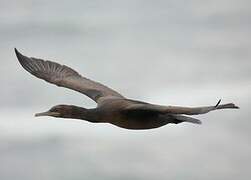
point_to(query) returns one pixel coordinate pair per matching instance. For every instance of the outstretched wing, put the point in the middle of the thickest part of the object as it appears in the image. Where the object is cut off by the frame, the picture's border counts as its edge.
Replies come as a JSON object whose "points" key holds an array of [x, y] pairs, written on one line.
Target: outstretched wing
{"points": [[64, 76], [150, 108]]}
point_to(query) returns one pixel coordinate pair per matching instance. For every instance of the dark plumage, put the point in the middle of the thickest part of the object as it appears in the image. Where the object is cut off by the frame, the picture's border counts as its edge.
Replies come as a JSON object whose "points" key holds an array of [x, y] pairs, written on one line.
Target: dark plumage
{"points": [[112, 107]]}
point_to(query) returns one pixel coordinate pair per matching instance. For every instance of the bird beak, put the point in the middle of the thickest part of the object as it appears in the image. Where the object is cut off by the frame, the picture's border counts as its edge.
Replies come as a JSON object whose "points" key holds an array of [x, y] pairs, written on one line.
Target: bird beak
{"points": [[48, 113]]}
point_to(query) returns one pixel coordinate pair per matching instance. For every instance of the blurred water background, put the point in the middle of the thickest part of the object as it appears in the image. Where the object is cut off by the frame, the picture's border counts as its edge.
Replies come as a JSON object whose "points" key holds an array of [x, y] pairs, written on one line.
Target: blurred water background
{"points": [[162, 51]]}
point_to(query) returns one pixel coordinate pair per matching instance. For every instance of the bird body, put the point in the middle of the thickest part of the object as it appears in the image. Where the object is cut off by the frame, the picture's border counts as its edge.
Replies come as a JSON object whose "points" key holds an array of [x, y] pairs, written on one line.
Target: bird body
{"points": [[112, 107], [117, 112]]}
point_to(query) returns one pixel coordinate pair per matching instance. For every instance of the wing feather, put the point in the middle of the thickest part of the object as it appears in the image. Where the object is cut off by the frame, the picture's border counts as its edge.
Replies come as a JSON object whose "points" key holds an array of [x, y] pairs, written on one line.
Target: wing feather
{"points": [[64, 76], [141, 108]]}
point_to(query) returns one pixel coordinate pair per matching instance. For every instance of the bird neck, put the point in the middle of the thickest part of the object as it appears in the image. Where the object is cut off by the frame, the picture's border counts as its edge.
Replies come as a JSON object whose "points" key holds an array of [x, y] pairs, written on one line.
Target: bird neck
{"points": [[82, 113]]}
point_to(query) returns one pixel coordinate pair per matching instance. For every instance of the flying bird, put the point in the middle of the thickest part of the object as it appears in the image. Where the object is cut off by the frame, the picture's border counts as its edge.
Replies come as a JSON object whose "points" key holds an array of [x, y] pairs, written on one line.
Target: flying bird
{"points": [[112, 107]]}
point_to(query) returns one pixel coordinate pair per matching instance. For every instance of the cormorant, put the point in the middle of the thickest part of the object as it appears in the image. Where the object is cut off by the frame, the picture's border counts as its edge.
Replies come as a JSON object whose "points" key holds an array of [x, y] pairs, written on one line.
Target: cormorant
{"points": [[112, 107]]}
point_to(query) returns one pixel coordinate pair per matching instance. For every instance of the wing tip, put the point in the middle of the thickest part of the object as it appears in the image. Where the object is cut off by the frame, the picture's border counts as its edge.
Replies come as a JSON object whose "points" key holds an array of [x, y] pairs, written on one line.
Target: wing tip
{"points": [[20, 56], [223, 106], [16, 51], [24, 61], [233, 106], [218, 103]]}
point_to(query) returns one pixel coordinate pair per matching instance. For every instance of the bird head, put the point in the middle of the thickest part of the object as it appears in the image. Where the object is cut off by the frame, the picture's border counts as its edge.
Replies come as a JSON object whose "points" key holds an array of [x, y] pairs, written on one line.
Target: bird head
{"points": [[64, 111]]}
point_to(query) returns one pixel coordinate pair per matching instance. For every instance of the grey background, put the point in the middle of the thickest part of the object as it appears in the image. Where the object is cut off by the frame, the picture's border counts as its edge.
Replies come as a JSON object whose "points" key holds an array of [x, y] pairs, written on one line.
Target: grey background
{"points": [[165, 52]]}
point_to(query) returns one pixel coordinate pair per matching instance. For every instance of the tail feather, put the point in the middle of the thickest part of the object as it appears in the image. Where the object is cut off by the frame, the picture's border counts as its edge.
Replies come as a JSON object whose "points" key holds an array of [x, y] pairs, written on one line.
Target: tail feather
{"points": [[198, 110], [187, 119], [227, 106]]}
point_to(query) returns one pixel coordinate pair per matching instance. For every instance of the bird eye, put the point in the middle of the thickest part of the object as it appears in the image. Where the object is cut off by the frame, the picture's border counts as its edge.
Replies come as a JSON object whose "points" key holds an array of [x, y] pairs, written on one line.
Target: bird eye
{"points": [[54, 109]]}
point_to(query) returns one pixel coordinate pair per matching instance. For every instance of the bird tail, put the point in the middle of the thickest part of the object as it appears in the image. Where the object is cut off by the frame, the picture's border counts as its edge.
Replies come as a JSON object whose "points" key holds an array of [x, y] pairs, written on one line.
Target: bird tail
{"points": [[181, 118], [227, 106], [198, 110]]}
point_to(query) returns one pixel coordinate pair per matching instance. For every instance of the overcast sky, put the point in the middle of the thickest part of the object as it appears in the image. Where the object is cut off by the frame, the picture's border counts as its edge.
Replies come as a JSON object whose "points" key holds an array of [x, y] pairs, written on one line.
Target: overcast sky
{"points": [[163, 51]]}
